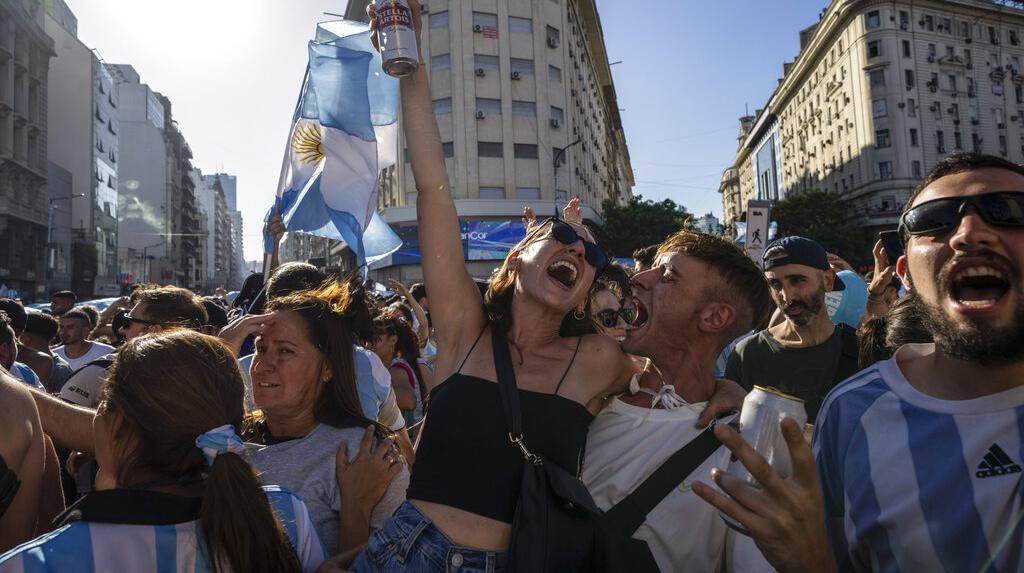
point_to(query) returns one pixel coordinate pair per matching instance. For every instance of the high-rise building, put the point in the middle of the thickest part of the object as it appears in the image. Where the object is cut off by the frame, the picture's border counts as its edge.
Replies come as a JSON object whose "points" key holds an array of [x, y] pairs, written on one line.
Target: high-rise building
{"points": [[237, 262], [219, 238], [83, 130], [230, 185], [517, 86], [25, 52], [880, 93]]}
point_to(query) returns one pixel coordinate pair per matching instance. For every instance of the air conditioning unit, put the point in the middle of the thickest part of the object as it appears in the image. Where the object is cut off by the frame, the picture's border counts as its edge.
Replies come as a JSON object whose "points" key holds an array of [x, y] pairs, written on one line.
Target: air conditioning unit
{"points": [[901, 105], [556, 123], [552, 42], [1001, 125], [480, 72], [933, 107], [970, 66], [968, 40], [480, 115], [1013, 118], [478, 29], [515, 75]]}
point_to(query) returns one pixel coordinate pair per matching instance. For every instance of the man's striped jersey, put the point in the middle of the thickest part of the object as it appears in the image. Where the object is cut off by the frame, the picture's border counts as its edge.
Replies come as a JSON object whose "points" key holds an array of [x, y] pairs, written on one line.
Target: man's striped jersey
{"points": [[142, 532], [915, 483]]}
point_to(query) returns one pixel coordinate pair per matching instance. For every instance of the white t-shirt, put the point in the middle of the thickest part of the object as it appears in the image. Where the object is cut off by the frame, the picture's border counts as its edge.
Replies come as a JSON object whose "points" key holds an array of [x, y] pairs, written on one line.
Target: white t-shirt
{"points": [[97, 350], [625, 445]]}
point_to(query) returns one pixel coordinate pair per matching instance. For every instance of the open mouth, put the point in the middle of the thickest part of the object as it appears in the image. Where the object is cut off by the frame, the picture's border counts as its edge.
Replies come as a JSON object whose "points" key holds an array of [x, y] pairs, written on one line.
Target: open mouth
{"points": [[564, 273], [979, 287], [641, 316]]}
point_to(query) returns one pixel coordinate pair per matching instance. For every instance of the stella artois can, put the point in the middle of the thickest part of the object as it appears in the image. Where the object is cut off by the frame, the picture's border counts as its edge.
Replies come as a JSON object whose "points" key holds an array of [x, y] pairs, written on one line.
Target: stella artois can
{"points": [[763, 411], [398, 49]]}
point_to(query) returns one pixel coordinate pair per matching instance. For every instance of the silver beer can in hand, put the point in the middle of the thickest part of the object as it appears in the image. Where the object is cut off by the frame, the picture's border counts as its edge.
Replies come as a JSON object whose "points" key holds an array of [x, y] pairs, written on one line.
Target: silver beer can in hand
{"points": [[398, 50], [763, 411]]}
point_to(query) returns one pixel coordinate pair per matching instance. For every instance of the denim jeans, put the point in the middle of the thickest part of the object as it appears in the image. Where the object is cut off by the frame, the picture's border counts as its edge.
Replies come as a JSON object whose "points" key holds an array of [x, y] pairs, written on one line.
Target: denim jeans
{"points": [[411, 543]]}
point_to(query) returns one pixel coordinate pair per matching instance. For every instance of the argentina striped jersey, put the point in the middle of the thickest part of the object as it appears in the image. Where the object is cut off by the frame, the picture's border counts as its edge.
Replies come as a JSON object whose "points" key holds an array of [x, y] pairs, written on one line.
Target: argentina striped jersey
{"points": [[915, 483], [114, 540]]}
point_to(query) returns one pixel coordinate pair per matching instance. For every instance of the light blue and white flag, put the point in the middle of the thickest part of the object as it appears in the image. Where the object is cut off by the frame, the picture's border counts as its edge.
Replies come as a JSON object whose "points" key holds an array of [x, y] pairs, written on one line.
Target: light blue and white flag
{"points": [[345, 130]]}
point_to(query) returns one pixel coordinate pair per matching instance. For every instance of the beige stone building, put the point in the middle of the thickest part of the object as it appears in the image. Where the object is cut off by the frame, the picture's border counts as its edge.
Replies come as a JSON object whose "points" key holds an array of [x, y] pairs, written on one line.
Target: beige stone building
{"points": [[514, 83], [879, 93]]}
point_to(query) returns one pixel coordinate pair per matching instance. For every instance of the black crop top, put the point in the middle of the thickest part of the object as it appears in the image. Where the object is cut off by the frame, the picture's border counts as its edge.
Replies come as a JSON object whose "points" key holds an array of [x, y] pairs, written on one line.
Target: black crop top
{"points": [[465, 459]]}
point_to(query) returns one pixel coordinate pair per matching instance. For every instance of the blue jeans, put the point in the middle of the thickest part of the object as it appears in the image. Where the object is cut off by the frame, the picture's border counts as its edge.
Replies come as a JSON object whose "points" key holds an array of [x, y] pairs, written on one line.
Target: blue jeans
{"points": [[411, 543]]}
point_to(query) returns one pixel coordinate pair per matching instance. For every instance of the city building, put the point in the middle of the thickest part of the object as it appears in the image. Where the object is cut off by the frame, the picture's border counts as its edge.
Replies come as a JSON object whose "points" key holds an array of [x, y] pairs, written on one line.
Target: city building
{"points": [[235, 264], [528, 116], [707, 224], [880, 93], [159, 238], [229, 183], [83, 132], [219, 238], [25, 52]]}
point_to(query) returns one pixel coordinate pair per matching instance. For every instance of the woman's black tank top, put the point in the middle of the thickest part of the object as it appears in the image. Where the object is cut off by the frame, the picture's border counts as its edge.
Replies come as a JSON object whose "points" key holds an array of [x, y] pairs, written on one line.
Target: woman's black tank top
{"points": [[465, 459]]}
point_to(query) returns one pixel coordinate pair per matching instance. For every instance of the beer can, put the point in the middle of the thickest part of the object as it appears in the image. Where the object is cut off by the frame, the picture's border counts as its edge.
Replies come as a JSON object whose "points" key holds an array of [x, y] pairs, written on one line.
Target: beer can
{"points": [[398, 50], [763, 411]]}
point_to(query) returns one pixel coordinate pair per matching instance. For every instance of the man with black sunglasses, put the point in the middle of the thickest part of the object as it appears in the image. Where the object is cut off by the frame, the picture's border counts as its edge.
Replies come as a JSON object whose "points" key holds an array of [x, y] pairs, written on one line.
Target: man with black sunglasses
{"points": [[920, 457]]}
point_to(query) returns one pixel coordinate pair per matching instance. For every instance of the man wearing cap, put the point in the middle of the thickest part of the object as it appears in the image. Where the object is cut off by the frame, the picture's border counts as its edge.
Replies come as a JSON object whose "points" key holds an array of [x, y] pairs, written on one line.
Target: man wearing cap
{"points": [[806, 354]]}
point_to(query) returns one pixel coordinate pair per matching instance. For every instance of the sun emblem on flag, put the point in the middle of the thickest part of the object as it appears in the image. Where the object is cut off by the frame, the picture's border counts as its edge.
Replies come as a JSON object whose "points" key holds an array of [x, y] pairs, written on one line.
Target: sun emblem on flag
{"points": [[307, 143]]}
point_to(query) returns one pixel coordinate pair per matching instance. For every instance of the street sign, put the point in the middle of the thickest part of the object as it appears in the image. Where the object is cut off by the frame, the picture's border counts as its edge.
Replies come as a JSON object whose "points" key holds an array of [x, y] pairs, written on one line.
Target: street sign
{"points": [[757, 229]]}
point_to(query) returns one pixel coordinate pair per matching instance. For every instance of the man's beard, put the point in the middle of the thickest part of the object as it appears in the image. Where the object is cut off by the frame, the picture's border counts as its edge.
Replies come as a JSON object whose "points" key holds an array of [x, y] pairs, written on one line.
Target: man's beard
{"points": [[967, 340], [812, 306]]}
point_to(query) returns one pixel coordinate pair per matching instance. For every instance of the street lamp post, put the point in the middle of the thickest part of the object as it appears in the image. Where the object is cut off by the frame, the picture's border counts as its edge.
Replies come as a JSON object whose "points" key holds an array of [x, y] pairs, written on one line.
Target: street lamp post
{"points": [[557, 161]]}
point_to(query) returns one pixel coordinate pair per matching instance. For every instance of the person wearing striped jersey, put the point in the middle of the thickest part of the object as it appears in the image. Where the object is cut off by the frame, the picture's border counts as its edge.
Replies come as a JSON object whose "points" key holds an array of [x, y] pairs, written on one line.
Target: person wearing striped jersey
{"points": [[173, 491], [920, 457]]}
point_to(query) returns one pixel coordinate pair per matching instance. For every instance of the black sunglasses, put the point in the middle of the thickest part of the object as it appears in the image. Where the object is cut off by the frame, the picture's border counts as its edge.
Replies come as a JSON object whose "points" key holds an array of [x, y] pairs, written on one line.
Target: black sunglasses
{"points": [[129, 319], [609, 317], [1000, 208], [564, 233]]}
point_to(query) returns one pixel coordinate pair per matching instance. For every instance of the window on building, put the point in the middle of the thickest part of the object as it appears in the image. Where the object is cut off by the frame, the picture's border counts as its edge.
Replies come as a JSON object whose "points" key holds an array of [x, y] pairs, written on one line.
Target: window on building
{"points": [[937, 109], [521, 25], [1002, 144], [972, 112], [940, 141], [954, 110], [931, 52], [877, 78], [904, 19], [906, 48], [490, 149], [967, 58], [993, 35], [524, 67], [524, 109], [442, 106], [965, 29], [952, 82], [975, 143], [929, 23], [438, 19], [915, 169], [970, 87], [879, 108], [554, 74], [525, 151], [448, 148], [554, 36], [488, 106], [492, 192], [557, 114], [440, 62], [911, 107], [1014, 38], [874, 48], [949, 52], [913, 138], [527, 193], [882, 138], [908, 77], [958, 141], [872, 20], [885, 169], [486, 63], [947, 25], [483, 19]]}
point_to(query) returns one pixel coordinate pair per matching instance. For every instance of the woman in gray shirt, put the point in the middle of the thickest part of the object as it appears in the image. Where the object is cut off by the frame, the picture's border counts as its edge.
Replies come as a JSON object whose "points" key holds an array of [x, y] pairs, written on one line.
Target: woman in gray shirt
{"points": [[304, 386]]}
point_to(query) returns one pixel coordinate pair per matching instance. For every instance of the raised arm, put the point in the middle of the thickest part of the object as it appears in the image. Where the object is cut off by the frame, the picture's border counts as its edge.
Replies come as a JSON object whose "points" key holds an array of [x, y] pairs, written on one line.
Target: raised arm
{"points": [[457, 315], [70, 426], [423, 333]]}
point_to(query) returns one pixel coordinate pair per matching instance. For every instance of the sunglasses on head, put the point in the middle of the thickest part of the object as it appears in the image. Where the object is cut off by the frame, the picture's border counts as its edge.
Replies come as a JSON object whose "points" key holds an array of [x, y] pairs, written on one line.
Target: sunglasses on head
{"points": [[940, 216], [609, 317], [565, 233]]}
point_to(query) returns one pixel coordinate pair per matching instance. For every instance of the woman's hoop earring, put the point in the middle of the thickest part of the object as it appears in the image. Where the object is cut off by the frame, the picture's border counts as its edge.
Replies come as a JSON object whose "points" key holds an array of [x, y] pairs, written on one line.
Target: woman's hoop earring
{"points": [[578, 313]]}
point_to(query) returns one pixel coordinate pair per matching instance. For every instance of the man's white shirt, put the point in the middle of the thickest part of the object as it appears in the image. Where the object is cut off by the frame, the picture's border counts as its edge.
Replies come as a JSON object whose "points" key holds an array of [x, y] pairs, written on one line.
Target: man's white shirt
{"points": [[625, 445], [97, 350]]}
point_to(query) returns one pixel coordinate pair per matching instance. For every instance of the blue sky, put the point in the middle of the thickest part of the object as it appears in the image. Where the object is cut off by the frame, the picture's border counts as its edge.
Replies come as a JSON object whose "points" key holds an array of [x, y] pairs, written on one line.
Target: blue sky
{"points": [[232, 70], [688, 68]]}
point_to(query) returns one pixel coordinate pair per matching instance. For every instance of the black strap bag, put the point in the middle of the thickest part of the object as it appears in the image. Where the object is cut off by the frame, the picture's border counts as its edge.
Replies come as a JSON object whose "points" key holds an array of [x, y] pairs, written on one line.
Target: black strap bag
{"points": [[554, 526]]}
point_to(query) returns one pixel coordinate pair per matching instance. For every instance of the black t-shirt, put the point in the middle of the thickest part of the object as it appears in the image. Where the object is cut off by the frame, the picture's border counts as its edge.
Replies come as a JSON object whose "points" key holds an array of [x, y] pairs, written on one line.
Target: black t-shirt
{"points": [[807, 373]]}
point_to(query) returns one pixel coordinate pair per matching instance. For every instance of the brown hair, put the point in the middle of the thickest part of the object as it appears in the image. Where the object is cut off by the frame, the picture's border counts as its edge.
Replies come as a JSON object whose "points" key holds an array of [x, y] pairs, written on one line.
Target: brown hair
{"points": [[337, 318], [498, 298], [172, 306], [745, 286], [169, 388], [407, 345]]}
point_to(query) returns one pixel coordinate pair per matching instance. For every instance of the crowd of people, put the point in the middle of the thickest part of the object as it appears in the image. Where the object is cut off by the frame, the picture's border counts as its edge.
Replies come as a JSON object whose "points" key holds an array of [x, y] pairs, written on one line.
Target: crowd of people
{"points": [[317, 424]]}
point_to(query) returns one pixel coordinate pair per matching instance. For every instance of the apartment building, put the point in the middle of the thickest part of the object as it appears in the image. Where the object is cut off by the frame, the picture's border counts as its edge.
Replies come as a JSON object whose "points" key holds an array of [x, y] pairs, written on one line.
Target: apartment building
{"points": [[879, 93]]}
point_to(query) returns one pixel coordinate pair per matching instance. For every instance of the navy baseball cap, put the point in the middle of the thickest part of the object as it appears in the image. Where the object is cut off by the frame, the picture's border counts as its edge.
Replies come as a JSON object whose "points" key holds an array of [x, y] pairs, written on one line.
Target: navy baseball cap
{"points": [[798, 251]]}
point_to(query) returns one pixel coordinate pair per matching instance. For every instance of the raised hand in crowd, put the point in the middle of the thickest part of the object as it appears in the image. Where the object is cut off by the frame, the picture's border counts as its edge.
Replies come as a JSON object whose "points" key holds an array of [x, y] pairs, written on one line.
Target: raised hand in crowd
{"points": [[786, 515], [839, 263], [423, 330], [572, 213], [881, 279], [235, 333], [274, 228]]}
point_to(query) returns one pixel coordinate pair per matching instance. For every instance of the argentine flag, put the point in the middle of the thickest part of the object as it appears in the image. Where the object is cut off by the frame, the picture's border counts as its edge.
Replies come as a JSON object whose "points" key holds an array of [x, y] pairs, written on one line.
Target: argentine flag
{"points": [[344, 132]]}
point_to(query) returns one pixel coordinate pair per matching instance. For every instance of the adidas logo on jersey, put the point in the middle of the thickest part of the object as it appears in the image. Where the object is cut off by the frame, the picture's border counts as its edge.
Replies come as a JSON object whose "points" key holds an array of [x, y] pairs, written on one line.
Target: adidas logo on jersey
{"points": [[996, 463]]}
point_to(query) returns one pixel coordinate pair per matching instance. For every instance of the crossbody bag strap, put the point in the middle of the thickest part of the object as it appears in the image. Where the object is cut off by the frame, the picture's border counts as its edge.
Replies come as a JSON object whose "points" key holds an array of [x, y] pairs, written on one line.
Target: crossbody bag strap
{"points": [[630, 513], [509, 392]]}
